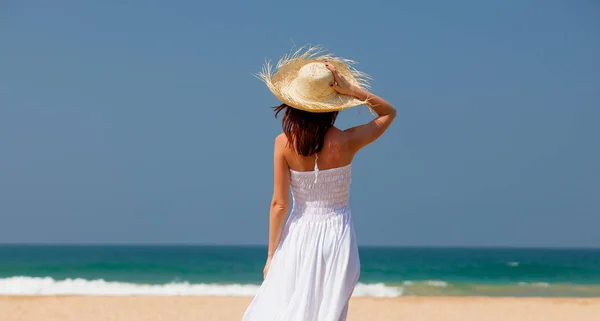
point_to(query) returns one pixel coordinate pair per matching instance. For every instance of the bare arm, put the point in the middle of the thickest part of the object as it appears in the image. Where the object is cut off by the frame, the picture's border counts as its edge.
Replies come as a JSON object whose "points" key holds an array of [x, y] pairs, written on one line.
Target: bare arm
{"points": [[360, 136], [281, 197]]}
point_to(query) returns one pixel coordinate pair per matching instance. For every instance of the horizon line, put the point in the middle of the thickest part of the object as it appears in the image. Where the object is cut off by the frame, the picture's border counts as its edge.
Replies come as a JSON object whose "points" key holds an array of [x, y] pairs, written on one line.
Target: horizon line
{"points": [[399, 246]]}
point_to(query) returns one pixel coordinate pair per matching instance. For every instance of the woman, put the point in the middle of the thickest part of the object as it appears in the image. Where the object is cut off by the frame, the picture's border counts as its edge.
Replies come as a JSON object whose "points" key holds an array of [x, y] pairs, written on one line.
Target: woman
{"points": [[312, 262]]}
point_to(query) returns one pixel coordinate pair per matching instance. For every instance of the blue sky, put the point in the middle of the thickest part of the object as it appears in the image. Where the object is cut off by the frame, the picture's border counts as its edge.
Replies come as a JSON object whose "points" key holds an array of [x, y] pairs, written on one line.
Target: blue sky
{"points": [[142, 122]]}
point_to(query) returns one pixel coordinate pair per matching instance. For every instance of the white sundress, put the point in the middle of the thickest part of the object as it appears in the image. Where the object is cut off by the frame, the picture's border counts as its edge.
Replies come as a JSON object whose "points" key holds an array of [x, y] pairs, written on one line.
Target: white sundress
{"points": [[316, 265]]}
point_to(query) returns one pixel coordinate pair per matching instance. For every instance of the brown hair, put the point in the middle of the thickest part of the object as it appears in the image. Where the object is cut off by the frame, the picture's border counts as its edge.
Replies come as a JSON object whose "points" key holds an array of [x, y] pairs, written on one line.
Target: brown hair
{"points": [[305, 130]]}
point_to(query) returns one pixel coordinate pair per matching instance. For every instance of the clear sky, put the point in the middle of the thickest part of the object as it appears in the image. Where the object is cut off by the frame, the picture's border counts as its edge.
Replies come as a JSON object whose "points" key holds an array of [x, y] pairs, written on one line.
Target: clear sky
{"points": [[142, 122]]}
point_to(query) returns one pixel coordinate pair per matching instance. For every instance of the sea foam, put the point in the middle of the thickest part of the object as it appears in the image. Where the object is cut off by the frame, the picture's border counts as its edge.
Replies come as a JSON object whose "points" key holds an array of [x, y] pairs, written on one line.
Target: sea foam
{"points": [[24, 285], [436, 283], [536, 284]]}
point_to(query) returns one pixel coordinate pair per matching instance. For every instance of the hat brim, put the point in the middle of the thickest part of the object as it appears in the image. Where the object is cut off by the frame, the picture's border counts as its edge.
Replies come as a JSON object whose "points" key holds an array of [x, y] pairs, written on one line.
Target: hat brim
{"points": [[279, 82]]}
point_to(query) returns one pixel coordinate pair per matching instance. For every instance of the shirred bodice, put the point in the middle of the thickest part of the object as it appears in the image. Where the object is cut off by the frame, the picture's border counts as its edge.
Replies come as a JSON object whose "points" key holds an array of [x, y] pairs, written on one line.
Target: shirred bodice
{"points": [[321, 191]]}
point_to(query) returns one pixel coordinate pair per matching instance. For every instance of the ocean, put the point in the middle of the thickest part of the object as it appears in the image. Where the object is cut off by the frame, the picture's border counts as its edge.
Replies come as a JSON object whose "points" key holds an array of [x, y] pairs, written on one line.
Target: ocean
{"points": [[237, 271]]}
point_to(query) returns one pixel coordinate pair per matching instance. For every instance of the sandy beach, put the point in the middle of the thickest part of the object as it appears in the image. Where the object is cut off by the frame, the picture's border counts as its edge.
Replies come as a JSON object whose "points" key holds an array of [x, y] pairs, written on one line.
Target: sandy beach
{"points": [[148, 308]]}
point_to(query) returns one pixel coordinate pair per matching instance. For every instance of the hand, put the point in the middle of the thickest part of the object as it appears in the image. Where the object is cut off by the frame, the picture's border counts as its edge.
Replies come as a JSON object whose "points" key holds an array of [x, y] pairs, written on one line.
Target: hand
{"points": [[266, 269], [340, 84]]}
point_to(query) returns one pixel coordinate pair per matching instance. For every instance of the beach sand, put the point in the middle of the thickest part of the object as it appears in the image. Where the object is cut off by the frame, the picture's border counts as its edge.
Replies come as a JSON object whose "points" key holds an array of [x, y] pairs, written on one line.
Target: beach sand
{"points": [[148, 308]]}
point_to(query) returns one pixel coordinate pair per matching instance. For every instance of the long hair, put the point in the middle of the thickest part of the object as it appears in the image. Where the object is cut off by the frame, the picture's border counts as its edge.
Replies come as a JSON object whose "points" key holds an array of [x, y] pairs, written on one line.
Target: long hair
{"points": [[305, 130]]}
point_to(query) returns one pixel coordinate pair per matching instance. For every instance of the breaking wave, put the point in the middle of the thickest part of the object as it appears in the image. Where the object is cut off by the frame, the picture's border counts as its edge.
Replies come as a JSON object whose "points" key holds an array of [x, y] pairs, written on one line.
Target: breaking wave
{"points": [[24, 285]]}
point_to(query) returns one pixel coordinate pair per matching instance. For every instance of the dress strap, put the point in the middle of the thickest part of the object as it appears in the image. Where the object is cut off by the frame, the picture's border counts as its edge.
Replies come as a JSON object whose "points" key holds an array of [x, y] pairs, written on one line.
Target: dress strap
{"points": [[316, 167]]}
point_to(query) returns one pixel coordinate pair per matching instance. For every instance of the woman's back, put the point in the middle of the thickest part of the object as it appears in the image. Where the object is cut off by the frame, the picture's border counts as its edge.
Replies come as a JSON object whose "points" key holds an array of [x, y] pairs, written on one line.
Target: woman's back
{"points": [[334, 153], [324, 187], [317, 264]]}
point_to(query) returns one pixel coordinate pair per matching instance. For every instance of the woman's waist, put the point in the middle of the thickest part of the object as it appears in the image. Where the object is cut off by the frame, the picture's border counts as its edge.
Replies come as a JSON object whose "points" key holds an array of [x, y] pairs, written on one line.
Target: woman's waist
{"points": [[319, 211], [320, 206]]}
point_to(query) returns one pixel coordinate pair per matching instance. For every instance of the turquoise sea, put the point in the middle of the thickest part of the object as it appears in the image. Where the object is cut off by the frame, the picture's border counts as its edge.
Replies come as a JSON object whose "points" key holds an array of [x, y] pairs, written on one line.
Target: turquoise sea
{"points": [[237, 270]]}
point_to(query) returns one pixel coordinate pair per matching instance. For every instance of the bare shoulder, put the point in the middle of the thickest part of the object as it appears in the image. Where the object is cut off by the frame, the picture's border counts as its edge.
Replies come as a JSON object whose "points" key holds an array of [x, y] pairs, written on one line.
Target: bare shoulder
{"points": [[337, 142], [335, 133], [337, 137], [281, 140]]}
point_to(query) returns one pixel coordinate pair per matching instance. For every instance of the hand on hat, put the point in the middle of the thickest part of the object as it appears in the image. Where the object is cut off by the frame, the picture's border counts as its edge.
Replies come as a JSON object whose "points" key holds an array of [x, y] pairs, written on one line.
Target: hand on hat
{"points": [[340, 84]]}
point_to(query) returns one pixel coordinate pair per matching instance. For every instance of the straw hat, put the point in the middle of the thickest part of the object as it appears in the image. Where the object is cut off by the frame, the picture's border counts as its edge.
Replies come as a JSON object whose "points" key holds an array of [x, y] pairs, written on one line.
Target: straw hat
{"points": [[302, 80]]}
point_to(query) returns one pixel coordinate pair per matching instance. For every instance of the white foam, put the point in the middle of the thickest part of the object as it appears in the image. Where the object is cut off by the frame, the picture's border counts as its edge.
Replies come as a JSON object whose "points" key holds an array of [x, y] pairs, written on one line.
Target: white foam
{"points": [[377, 290], [537, 284], [513, 264], [48, 286], [440, 284], [23, 285]]}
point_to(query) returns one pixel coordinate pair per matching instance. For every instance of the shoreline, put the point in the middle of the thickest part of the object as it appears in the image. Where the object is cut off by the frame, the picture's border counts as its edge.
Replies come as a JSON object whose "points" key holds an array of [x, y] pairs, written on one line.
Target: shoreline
{"points": [[25, 285], [355, 298], [227, 308]]}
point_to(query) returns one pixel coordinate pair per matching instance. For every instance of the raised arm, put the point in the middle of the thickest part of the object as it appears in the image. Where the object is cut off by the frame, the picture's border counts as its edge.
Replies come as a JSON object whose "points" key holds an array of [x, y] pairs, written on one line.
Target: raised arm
{"points": [[362, 135]]}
